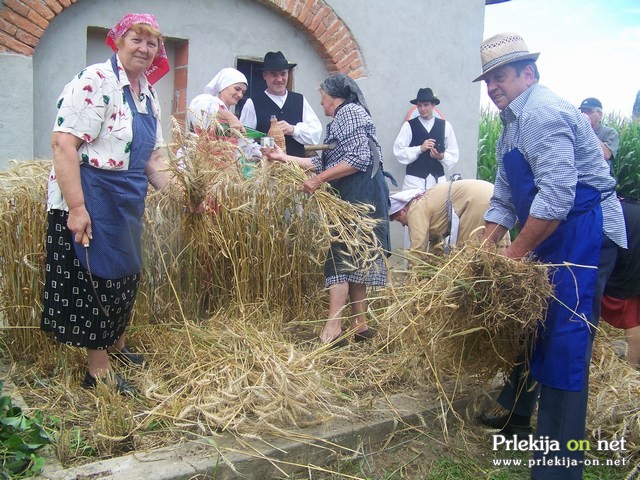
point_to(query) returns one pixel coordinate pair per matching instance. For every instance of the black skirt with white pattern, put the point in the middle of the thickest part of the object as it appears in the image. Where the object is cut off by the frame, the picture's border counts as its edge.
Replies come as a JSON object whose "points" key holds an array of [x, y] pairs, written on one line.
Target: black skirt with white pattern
{"points": [[71, 310]]}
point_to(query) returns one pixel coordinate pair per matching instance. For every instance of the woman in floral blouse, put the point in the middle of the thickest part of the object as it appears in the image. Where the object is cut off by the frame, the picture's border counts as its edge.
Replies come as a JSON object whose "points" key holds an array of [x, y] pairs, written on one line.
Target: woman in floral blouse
{"points": [[106, 151], [353, 166]]}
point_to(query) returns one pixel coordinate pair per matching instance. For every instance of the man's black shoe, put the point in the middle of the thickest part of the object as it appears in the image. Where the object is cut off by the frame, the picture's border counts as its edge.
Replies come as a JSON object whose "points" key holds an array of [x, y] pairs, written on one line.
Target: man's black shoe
{"points": [[508, 424], [494, 421]]}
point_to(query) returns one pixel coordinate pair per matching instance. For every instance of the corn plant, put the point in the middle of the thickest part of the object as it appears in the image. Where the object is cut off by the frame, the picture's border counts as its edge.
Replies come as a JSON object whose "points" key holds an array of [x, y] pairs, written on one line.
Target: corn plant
{"points": [[490, 128], [626, 164], [625, 167]]}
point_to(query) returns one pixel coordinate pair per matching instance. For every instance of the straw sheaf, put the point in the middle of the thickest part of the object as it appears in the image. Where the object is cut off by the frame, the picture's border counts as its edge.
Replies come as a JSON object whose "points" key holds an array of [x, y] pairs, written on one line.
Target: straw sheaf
{"points": [[614, 393]]}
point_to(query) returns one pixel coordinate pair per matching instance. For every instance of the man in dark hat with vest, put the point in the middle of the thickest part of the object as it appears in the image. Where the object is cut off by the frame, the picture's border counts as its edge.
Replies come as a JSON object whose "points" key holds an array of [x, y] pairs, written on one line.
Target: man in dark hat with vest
{"points": [[296, 118], [426, 145], [553, 181], [608, 136]]}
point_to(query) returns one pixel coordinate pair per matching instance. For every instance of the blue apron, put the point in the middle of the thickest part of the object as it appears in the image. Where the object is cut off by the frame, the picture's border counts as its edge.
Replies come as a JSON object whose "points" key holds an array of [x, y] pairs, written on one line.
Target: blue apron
{"points": [[115, 201], [558, 358]]}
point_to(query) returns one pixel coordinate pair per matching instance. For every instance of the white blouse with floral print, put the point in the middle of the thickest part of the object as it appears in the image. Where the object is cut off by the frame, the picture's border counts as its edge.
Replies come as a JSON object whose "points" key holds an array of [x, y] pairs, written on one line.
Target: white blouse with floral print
{"points": [[92, 107]]}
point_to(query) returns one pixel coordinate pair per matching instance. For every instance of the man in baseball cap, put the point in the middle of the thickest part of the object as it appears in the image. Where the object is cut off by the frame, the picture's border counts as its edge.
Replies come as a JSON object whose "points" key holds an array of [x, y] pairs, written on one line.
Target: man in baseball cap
{"points": [[609, 139]]}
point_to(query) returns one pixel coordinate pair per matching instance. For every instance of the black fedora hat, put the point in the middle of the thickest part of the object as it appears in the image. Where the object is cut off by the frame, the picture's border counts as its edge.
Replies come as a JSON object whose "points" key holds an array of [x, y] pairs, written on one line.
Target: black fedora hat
{"points": [[275, 62], [425, 95]]}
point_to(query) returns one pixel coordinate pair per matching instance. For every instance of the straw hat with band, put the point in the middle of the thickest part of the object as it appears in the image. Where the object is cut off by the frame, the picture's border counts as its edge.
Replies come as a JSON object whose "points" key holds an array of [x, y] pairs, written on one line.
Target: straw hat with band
{"points": [[502, 49]]}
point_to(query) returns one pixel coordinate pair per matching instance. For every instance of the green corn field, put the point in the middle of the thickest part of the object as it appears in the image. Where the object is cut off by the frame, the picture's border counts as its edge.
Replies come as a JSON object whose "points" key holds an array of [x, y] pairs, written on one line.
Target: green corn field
{"points": [[625, 166]]}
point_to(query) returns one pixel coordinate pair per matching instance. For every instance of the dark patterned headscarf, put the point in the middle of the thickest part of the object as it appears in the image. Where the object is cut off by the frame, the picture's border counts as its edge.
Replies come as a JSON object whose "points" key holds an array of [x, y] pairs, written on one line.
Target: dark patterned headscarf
{"points": [[340, 85]]}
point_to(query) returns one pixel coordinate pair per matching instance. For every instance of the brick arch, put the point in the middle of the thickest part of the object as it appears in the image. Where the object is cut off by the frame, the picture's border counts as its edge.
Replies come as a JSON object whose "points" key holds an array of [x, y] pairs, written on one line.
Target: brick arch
{"points": [[23, 22], [327, 32]]}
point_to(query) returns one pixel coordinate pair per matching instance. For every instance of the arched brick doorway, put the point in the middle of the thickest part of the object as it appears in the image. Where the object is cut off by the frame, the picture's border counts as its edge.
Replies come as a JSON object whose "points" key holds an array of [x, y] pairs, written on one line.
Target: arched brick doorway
{"points": [[22, 24]]}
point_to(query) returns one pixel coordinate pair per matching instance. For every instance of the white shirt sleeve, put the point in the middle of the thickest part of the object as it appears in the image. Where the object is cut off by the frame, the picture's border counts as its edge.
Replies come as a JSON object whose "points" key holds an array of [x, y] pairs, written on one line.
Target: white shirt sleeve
{"points": [[200, 110], [451, 152], [248, 116], [309, 130], [401, 149]]}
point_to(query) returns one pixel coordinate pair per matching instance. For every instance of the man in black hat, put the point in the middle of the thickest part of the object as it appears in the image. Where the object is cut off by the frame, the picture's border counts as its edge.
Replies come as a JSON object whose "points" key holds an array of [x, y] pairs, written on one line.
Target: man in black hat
{"points": [[296, 118], [426, 145], [608, 136]]}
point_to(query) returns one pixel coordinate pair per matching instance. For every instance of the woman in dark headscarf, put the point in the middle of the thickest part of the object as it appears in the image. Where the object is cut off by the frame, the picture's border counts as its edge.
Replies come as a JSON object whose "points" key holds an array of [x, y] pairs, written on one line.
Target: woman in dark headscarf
{"points": [[354, 168]]}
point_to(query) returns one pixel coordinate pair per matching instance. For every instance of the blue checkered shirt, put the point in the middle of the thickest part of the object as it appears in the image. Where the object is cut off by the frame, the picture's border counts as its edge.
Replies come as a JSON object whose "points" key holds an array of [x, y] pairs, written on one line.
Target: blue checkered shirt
{"points": [[350, 131], [560, 146]]}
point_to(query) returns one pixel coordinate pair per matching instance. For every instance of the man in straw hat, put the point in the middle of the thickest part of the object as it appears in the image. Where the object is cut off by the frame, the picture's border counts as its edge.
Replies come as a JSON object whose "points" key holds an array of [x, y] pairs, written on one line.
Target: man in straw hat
{"points": [[296, 118], [554, 182], [451, 212], [425, 144]]}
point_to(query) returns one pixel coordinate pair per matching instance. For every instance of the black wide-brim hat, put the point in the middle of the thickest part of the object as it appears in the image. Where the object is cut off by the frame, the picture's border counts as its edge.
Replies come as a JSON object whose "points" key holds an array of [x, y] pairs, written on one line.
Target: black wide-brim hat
{"points": [[425, 95], [275, 62]]}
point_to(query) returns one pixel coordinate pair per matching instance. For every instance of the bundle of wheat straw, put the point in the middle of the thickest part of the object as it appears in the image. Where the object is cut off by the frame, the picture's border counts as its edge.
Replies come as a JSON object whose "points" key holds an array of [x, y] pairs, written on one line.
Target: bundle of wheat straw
{"points": [[464, 314], [613, 412], [22, 233]]}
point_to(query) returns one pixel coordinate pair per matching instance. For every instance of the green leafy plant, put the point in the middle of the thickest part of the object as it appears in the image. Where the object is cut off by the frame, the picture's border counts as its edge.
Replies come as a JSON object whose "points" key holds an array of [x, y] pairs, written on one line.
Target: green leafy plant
{"points": [[20, 439], [489, 132]]}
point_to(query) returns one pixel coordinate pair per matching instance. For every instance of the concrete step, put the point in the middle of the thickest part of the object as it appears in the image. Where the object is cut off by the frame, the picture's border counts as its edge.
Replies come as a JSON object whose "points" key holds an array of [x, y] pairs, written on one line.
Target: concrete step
{"points": [[230, 457]]}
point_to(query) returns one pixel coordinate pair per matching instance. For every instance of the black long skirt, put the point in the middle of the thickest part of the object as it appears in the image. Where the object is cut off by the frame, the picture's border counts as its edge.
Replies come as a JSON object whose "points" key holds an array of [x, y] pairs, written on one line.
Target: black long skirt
{"points": [[75, 311]]}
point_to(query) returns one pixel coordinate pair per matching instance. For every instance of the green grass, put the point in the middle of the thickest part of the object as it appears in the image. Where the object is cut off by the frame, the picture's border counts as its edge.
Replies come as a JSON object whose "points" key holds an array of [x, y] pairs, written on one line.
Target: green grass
{"points": [[415, 456]]}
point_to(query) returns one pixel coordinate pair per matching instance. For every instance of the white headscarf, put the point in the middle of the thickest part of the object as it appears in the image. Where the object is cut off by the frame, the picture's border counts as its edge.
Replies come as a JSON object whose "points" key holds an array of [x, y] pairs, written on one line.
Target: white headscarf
{"points": [[223, 79], [399, 200]]}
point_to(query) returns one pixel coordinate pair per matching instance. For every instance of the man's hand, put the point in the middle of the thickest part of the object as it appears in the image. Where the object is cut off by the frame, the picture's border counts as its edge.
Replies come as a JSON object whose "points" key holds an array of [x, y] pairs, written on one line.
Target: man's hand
{"points": [[435, 153], [286, 128], [428, 144]]}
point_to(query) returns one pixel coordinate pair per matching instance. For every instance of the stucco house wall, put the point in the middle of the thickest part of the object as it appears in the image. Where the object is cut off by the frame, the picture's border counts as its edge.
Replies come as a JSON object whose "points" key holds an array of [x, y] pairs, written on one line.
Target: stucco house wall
{"points": [[391, 48]]}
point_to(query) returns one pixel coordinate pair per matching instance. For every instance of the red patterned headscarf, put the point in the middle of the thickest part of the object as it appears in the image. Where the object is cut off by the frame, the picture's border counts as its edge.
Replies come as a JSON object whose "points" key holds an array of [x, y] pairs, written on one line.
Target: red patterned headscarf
{"points": [[160, 65]]}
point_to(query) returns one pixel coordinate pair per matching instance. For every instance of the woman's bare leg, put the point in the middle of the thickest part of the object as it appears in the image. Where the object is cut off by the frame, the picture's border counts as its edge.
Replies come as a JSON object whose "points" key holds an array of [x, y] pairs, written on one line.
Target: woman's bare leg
{"points": [[98, 361], [632, 335], [358, 297], [119, 345], [338, 294]]}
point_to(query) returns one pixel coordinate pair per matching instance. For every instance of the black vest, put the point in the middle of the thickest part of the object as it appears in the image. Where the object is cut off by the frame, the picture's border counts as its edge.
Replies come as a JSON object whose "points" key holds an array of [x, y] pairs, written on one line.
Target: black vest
{"points": [[291, 112], [425, 164]]}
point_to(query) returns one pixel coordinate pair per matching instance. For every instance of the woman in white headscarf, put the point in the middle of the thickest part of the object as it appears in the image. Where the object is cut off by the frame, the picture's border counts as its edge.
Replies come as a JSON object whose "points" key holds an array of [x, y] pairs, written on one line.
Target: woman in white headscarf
{"points": [[224, 91]]}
